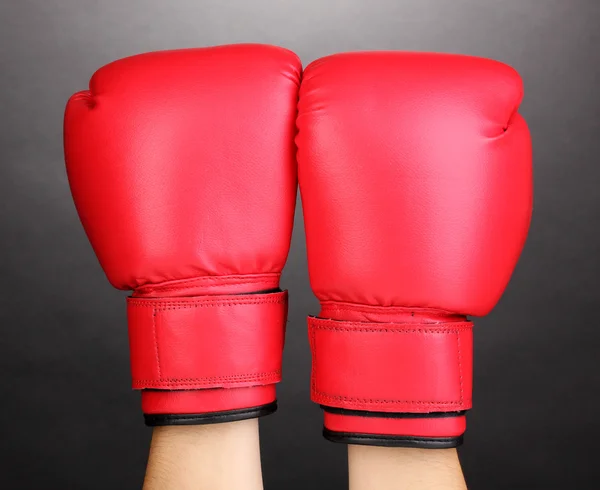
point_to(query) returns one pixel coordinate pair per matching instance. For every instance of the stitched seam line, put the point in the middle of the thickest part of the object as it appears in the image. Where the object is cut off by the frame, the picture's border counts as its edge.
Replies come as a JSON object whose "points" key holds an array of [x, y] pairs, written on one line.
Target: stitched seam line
{"points": [[460, 375], [209, 378], [156, 342], [380, 401], [388, 330], [235, 377], [200, 304], [142, 382], [314, 363]]}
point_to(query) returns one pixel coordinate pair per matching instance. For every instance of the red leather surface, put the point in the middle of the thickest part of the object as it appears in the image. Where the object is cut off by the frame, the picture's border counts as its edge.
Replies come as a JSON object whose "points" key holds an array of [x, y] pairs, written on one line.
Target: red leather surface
{"points": [[181, 163], [416, 183], [391, 367], [207, 341], [415, 176], [422, 427], [209, 285], [182, 168]]}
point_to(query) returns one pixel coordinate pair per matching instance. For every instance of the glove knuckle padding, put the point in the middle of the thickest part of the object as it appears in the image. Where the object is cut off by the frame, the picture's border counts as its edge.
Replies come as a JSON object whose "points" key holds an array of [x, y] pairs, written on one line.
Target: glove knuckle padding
{"points": [[188, 158], [431, 164]]}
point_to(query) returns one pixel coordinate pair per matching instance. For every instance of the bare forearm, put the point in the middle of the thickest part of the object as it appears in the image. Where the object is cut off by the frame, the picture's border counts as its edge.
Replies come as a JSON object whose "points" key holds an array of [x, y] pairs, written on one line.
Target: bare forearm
{"points": [[404, 469], [215, 457]]}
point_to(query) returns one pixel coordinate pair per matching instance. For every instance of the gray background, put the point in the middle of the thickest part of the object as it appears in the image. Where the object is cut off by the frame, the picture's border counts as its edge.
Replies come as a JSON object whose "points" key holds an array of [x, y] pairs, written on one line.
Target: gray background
{"points": [[69, 419]]}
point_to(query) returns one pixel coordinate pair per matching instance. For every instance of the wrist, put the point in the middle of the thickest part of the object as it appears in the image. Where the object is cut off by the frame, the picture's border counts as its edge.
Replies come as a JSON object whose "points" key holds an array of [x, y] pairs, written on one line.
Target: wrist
{"points": [[218, 457], [391, 468]]}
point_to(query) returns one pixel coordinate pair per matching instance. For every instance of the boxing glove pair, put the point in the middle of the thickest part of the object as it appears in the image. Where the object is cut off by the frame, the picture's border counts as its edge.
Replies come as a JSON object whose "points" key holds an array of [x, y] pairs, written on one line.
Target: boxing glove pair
{"points": [[415, 176]]}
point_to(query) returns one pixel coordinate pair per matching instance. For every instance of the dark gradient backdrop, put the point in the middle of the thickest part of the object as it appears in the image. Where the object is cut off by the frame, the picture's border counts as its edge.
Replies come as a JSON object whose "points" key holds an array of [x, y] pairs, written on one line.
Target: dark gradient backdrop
{"points": [[68, 417]]}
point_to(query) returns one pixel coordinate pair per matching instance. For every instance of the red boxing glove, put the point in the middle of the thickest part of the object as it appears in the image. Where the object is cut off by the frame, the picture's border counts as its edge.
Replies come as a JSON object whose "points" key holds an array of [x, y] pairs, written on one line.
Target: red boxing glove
{"points": [[182, 169], [416, 184]]}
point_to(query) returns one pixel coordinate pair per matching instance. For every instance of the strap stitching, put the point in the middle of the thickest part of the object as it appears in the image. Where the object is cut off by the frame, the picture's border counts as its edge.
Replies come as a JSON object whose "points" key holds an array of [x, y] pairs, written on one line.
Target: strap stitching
{"points": [[156, 341], [388, 330], [377, 400], [460, 371], [170, 305], [233, 377], [457, 329]]}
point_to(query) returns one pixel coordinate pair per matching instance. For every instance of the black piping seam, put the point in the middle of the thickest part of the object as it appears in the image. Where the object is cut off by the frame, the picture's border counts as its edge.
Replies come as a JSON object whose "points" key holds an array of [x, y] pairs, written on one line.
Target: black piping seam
{"points": [[389, 415], [153, 420], [393, 441]]}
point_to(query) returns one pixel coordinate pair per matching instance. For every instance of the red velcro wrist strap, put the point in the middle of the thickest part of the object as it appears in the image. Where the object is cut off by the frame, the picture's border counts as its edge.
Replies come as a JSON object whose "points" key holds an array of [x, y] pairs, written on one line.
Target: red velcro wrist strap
{"points": [[206, 342], [392, 367]]}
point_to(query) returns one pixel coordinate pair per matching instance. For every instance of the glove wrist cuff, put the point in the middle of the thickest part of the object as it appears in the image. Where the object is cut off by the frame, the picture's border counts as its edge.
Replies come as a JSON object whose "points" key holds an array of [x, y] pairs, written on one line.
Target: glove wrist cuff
{"points": [[431, 431], [391, 367], [204, 342], [396, 382], [206, 354]]}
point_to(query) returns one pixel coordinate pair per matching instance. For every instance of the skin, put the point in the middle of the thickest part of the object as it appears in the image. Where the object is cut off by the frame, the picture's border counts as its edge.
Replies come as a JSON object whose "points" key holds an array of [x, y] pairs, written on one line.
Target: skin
{"points": [[384, 468], [226, 456], [203, 457]]}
